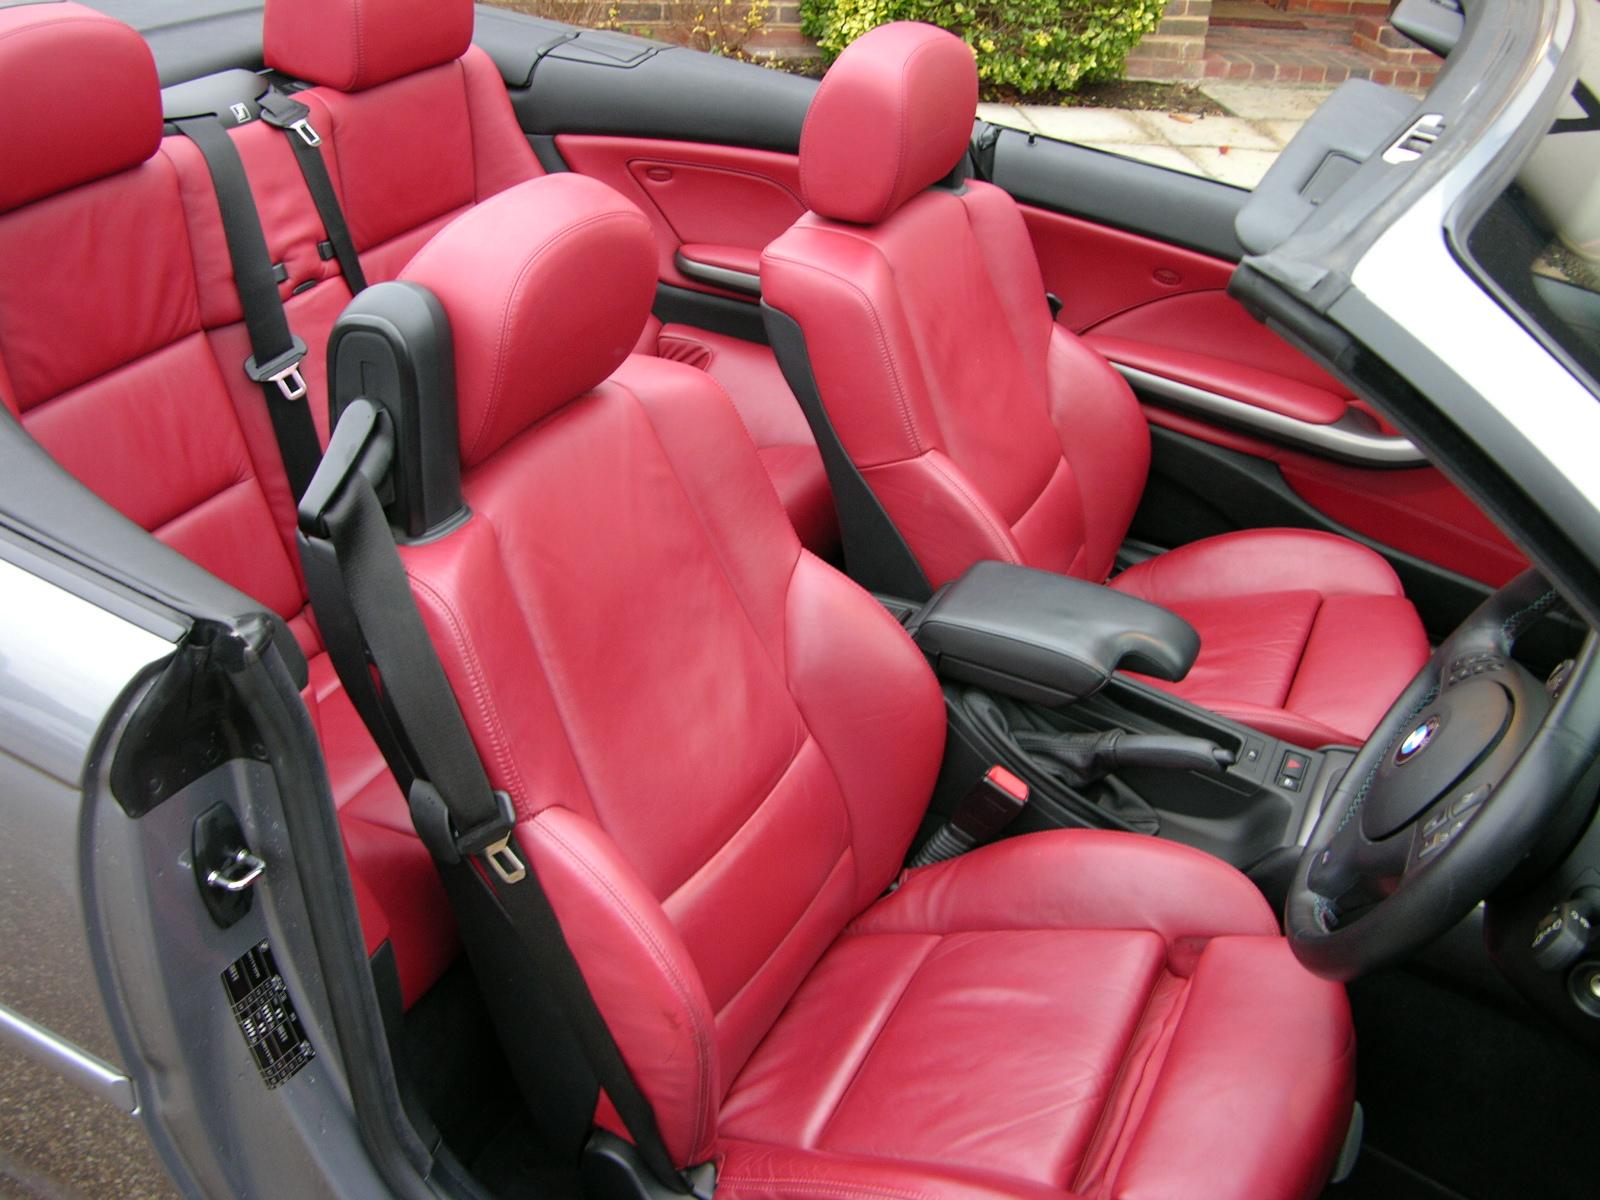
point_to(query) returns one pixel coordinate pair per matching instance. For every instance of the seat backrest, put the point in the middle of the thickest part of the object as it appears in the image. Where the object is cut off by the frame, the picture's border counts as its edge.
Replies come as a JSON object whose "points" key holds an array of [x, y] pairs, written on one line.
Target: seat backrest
{"points": [[121, 352], [417, 118], [104, 355], [718, 746], [983, 428]]}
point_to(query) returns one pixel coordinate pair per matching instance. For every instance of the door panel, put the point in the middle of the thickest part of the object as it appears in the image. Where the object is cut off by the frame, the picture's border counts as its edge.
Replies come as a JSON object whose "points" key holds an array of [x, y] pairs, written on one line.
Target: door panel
{"points": [[727, 202], [1162, 308]]}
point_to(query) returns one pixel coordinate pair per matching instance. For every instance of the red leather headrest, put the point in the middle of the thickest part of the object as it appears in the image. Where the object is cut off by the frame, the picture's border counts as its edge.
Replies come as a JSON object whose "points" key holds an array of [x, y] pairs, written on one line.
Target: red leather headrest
{"points": [[893, 115], [547, 286], [80, 96], [350, 45]]}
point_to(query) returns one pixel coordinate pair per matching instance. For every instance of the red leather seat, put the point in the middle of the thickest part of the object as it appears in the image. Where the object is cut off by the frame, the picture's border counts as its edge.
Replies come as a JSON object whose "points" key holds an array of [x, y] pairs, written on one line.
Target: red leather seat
{"points": [[421, 128], [987, 431], [121, 344], [719, 749]]}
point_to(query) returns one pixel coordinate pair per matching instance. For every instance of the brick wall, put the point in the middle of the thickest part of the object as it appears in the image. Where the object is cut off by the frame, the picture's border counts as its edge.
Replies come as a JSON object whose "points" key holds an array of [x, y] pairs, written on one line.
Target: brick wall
{"points": [[1175, 51]]}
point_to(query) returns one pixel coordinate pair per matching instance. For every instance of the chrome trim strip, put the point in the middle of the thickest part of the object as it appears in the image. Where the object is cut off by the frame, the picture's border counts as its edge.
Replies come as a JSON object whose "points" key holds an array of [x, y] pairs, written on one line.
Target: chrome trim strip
{"points": [[72, 1064], [722, 277], [1338, 440]]}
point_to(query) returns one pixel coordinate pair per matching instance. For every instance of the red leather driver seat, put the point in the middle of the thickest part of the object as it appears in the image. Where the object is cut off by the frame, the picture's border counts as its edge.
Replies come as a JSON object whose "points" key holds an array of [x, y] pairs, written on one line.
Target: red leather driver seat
{"points": [[719, 748], [987, 431]]}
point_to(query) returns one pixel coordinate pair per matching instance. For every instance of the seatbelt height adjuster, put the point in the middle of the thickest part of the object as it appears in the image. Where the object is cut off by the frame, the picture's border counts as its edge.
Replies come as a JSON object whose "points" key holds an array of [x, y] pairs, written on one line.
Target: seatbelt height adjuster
{"points": [[284, 370]]}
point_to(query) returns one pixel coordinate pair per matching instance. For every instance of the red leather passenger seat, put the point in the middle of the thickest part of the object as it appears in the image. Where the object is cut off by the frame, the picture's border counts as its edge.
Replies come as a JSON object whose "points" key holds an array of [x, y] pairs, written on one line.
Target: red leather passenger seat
{"points": [[421, 128], [719, 748], [988, 431], [121, 353]]}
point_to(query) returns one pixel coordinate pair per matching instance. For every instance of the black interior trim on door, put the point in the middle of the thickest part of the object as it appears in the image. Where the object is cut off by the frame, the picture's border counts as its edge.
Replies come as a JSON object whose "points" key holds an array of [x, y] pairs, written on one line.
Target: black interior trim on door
{"points": [[719, 314], [568, 80], [1109, 189]]}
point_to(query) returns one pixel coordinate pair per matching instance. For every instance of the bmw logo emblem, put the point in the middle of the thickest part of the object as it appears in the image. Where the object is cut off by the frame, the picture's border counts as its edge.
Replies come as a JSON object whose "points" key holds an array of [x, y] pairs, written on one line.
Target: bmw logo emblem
{"points": [[1416, 741]]}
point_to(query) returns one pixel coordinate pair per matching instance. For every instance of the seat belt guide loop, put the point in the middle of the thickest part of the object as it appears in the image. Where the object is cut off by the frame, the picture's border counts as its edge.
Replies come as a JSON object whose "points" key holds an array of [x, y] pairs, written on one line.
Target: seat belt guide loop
{"points": [[283, 371]]}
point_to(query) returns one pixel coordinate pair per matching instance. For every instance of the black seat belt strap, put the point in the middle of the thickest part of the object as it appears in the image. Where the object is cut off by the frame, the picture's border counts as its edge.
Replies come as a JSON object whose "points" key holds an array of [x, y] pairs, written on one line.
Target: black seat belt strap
{"points": [[294, 118], [276, 353], [364, 607]]}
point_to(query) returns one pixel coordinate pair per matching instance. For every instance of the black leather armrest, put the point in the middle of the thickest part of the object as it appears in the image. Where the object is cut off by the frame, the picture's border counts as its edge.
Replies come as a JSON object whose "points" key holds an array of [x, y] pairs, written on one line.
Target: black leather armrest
{"points": [[1046, 638]]}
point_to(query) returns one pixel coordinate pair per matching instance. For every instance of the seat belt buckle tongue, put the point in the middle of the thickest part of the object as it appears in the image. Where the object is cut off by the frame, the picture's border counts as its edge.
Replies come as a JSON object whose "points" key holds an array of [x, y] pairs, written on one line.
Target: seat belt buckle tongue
{"points": [[284, 370], [285, 112], [492, 839]]}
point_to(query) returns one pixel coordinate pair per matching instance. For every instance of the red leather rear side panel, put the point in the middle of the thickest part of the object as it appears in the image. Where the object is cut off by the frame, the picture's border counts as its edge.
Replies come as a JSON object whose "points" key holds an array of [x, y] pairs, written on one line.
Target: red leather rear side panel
{"points": [[716, 195], [1126, 292]]}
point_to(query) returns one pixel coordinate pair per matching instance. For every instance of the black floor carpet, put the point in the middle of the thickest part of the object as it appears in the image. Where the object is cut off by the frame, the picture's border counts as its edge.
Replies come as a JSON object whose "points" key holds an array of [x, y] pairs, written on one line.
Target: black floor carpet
{"points": [[1468, 1098]]}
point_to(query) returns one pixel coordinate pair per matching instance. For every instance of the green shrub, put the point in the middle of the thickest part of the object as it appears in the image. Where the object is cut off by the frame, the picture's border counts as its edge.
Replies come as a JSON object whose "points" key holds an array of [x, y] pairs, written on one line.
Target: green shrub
{"points": [[1029, 45]]}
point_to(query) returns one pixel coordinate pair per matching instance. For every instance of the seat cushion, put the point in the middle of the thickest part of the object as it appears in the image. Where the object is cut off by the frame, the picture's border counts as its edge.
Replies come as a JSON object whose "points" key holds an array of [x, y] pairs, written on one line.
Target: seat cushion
{"points": [[1304, 635], [1093, 1011]]}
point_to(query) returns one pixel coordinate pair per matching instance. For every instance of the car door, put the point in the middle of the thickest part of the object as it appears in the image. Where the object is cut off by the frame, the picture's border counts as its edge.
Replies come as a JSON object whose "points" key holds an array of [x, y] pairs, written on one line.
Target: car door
{"points": [[1247, 429], [171, 875]]}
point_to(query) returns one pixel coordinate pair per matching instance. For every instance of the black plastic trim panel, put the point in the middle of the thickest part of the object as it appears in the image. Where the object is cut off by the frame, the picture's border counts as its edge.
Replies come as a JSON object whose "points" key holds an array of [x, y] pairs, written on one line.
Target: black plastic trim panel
{"points": [[719, 314], [1184, 210], [191, 38], [568, 80]]}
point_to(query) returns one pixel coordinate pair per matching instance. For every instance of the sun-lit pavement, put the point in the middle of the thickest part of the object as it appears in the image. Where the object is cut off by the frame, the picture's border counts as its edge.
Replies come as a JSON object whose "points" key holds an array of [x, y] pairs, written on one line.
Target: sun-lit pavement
{"points": [[1235, 149]]}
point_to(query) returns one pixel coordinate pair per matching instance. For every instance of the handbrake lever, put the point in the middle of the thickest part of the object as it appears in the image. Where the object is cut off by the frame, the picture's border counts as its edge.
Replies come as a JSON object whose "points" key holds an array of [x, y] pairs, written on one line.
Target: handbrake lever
{"points": [[1091, 756]]}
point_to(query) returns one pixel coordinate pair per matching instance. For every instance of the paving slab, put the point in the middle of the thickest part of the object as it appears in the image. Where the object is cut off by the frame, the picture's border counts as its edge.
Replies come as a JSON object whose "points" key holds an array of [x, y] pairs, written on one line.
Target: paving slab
{"points": [[1241, 168], [1161, 156], [1234, 149], [1008, 115], [1186, 129], [1259, 102], [1090, 124]]}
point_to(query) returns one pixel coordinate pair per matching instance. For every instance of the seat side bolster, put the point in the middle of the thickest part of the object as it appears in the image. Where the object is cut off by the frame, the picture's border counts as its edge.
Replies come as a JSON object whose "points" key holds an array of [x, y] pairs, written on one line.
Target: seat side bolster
{"points": [[1262, 1044], [639, 971], [869, 699]]}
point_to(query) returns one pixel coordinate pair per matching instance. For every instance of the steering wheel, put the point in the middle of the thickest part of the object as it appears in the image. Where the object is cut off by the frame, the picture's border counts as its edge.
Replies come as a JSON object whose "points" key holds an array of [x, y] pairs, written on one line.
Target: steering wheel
{"points": [[1451, 792]]}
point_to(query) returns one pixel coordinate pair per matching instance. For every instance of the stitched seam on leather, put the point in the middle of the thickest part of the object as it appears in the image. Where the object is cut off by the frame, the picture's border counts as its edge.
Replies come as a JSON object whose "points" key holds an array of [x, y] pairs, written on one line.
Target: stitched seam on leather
{"points": [[533, 260], [702, 1036], [847, 852], [847, 1191], [888, 1017], [716, 550], [893, 371], [233, 485], [358, 32], [505, 761], [771, 790], [1001, 534], [1101, 1129], [814, 1187]]}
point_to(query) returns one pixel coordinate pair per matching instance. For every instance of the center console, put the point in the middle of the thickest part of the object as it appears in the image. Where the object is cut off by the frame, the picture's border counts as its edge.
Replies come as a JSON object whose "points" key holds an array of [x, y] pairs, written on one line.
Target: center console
{"points": [[1035, 665]]}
